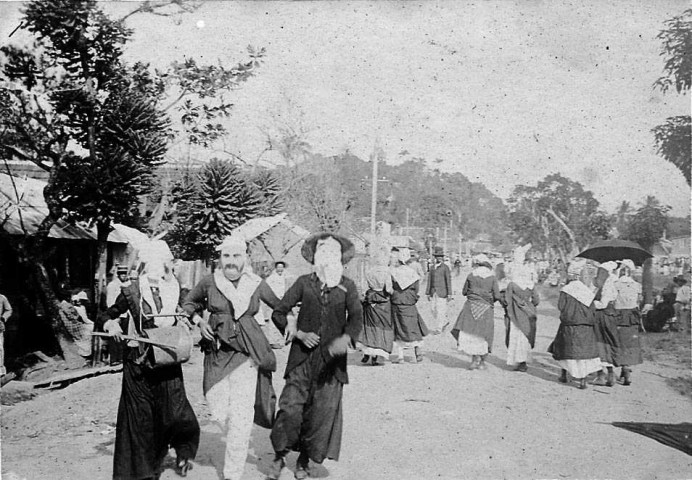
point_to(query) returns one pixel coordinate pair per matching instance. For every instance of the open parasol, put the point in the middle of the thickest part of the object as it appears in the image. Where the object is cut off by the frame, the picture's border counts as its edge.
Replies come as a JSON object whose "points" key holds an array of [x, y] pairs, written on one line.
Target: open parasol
{"points": [[616, 249]]}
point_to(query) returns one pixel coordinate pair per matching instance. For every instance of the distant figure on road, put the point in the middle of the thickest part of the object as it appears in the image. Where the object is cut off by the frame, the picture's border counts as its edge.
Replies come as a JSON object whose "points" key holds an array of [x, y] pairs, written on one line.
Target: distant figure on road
{"points": [[409, 328], [606, 322], [521, 299], [627, 301], [682, 305], [475, 325], [439, 292], [377, 337], [574, 346]]}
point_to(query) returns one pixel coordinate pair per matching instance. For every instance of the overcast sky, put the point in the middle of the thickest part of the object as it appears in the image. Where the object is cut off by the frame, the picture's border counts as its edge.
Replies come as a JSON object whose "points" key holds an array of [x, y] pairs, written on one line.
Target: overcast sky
{"points": [[503, 92]]}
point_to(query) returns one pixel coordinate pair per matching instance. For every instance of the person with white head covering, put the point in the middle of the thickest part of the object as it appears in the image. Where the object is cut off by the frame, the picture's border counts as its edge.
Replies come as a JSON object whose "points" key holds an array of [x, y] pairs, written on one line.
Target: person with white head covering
{"points": [[154, 412], [475, 325], [521, 300], [627, 301], [310, 415], [574, 346], [377, 337], [606, 322], [238, 360], [409, 327]]}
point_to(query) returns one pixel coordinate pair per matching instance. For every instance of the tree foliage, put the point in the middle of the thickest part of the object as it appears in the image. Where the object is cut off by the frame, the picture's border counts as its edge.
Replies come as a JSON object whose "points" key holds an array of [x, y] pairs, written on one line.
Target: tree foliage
{"points": [[75, 109], [209, 205], [673, 138], [648, 223], [557, 215]]}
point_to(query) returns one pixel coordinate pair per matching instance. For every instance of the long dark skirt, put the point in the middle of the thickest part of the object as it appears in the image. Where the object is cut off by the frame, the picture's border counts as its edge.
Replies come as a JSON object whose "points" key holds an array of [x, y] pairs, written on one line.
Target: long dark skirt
{"points": [[378, 331], [154, 414], [606, 335], [408, 324], [310, 417], [574, 342], [482, 327], [629, 351]]}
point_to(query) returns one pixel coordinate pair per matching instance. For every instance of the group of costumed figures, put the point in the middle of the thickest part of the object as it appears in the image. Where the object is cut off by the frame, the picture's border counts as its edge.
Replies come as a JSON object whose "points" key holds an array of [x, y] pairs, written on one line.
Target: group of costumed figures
{"points": [[154, 413], [599, 315], [598, 330]]}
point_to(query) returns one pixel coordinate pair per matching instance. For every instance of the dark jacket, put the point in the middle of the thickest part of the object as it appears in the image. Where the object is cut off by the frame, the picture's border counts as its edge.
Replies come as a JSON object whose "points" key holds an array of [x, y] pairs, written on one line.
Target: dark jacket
{"points": [[439, 281], [330, 314]]}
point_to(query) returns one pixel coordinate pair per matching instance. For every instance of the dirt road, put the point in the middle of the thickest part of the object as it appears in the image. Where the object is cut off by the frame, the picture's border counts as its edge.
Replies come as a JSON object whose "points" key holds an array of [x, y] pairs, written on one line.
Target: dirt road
{"points": [[435, 420]]}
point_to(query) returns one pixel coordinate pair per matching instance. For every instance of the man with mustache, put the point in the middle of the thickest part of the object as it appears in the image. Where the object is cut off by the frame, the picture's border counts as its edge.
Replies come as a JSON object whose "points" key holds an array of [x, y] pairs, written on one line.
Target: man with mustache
{"points": [[238, 360]]}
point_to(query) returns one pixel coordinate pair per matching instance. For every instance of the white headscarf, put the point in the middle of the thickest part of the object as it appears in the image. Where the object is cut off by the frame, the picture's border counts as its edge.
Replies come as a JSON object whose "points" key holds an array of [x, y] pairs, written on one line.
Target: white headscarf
{"points": [[522, 277], [327, 261]]}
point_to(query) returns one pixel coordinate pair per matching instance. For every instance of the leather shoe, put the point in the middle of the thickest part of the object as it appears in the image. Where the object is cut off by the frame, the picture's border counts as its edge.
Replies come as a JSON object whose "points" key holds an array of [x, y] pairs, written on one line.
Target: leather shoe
{"points": [[275, 470], [182, 466]]}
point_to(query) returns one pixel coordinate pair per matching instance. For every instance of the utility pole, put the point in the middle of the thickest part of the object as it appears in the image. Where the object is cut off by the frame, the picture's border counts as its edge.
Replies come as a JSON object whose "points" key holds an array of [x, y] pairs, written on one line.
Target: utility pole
{"points": [[407, 213], [374, 157]]}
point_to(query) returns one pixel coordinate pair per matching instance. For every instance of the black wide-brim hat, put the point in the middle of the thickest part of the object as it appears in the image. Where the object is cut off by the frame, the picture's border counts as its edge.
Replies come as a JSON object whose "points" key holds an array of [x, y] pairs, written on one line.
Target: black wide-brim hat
{"points": [[348, 250]]}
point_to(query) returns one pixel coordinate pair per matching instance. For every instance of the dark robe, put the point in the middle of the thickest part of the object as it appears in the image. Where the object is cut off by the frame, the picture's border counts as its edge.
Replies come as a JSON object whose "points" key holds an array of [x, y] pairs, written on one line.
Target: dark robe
{"points": [[378, 330], [408, 324], [238, 339], [575, 338], [154, 412], [310, 409], [477, 315], [629, 350], [521, 311]]}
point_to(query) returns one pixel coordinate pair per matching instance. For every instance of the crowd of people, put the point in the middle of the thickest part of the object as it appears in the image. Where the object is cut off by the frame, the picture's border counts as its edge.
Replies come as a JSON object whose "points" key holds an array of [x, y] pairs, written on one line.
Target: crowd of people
{"points": [[322, 316]]}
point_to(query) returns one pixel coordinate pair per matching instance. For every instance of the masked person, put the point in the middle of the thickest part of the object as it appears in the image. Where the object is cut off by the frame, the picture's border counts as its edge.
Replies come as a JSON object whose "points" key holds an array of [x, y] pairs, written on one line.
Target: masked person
{"points": [[238, 360], [310, 415], [154, 412]]}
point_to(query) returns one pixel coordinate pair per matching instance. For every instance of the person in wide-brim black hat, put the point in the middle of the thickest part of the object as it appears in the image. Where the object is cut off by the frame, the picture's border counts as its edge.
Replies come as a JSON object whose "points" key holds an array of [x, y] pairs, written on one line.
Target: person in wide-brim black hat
{"points": [[347, 248], [329, 321]]}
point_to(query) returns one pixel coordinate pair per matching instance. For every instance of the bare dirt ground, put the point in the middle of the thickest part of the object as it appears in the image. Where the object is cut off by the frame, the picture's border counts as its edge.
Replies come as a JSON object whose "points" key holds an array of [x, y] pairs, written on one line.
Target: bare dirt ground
{"points": [[435, 420]]}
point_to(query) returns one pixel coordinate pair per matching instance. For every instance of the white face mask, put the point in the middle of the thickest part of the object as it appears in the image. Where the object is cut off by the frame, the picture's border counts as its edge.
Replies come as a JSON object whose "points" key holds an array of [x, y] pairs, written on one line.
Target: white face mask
{"points": [[328, 262]]}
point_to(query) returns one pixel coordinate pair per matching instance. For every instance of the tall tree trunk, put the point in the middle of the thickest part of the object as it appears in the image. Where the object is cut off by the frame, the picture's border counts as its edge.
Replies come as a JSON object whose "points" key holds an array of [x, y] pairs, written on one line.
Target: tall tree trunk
{"points": [[102, 231], [648, 280]]}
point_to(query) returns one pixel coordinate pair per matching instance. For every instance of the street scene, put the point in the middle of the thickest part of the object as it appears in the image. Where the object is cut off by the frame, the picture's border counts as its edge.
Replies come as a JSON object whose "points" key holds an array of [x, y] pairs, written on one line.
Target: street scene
{"points": [[387, 240]]}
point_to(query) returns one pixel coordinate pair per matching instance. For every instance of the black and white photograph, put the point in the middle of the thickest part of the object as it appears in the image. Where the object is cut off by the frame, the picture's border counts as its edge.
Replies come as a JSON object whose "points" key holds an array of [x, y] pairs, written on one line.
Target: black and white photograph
{"points": [[343, 240]]}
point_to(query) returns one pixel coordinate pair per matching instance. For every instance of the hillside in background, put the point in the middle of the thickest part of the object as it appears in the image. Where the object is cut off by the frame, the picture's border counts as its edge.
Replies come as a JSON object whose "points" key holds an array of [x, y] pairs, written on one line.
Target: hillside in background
{"points": [[334, 193]]}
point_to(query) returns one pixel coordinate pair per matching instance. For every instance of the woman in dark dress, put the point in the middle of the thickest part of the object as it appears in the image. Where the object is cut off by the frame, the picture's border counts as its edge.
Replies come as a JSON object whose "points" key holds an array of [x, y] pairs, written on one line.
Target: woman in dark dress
{"points": [[377, 337], [475, 326], [409, 328]]}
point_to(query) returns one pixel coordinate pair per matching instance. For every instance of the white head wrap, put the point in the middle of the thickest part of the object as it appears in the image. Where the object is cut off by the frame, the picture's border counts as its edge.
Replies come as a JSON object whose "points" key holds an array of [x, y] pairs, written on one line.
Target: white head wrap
{"points": [[609, 266], [522, 277], [481, 258], [404, 255], [327, 263], [576, 266], [627, 263], [233, 244]]}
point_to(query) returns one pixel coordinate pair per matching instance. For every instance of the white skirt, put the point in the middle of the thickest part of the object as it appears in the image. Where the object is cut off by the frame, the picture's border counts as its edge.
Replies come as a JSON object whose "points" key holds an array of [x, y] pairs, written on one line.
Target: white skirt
{"points": [[471, 344], [519, 349], [581, 368]]}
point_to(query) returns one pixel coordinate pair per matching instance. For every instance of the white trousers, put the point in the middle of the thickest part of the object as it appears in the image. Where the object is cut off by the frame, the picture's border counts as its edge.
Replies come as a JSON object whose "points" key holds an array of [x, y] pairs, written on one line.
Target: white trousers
{"points": [[439, 312], [232, 405]]}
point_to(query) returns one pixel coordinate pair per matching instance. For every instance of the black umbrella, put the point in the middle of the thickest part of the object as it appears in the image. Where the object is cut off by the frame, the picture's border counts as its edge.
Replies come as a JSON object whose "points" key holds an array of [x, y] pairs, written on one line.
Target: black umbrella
{"points": [[616, 249]]}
